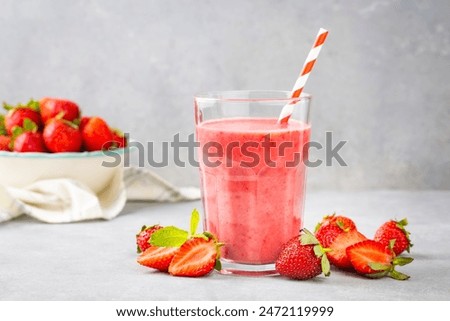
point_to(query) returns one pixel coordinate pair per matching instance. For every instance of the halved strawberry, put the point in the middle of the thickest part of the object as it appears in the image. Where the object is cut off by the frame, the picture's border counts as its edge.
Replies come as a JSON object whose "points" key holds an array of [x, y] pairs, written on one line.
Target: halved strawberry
{"points": [[157, 257], [375, 260], [196, 257], [337, 254]]}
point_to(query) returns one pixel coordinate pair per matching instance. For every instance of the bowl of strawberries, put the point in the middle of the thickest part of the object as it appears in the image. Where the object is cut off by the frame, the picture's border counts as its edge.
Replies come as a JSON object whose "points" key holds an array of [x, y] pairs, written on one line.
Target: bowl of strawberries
{"points": [[51, 139]]}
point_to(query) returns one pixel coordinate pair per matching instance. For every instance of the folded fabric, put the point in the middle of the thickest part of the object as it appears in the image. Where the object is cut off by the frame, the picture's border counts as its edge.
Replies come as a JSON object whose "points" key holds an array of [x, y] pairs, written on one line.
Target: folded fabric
{"points": [[68, 200]]}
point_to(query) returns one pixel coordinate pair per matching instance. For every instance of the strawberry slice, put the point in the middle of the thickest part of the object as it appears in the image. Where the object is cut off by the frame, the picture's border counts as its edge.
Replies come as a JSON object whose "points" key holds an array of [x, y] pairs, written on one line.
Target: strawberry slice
{"points": [[157, 257], [196, 257], [337, 255], [375, 260]]}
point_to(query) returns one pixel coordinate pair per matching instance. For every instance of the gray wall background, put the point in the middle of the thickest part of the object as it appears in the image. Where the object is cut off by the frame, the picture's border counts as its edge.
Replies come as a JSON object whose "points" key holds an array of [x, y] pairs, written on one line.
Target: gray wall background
{"points": [[381, 82]]}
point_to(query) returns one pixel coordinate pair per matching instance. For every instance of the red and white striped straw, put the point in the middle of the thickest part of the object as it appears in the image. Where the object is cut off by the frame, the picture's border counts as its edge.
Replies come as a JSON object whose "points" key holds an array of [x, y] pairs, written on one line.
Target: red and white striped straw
{"points": [[288, 109]]}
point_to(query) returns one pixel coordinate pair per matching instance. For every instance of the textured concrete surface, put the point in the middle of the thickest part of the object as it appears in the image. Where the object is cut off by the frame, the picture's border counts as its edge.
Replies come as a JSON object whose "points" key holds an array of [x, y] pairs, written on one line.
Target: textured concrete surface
{"points": [[381, 82], [96, 260]]}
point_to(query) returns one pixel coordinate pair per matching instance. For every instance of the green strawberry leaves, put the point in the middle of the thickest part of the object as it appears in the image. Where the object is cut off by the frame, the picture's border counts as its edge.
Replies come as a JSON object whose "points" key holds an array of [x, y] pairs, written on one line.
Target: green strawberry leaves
{"points": [[401, 225], [383, 270], [341, 225], [3, 131], [379, 266], [29, 125], [307, 238], [325, 265], [7, 106], [31, 104], [396, 275], [218, 265], [402, 260]]}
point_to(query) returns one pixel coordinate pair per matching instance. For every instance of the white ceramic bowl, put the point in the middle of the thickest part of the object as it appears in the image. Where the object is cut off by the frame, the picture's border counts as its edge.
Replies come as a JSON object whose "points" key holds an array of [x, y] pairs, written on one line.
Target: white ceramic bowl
{"points": [[22, 169]]}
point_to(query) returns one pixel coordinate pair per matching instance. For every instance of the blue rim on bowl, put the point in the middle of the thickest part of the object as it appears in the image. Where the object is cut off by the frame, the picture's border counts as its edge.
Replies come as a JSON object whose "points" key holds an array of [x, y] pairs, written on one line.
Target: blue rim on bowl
{"points": [[99, 153]]}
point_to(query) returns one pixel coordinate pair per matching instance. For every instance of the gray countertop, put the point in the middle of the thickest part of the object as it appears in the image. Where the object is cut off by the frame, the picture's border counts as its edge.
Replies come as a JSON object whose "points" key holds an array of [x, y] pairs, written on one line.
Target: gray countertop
{"points": [[96, 260]]}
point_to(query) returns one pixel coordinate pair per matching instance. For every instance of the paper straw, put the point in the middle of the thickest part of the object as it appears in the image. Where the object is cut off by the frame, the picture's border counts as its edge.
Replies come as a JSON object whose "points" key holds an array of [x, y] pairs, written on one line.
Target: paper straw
{"points": [[288, 109]]}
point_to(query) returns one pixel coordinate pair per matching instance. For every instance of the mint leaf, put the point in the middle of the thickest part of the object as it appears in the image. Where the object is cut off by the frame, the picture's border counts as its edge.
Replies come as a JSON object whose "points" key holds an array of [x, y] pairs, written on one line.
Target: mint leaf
{"points": [[170, 236], [195, 219]]}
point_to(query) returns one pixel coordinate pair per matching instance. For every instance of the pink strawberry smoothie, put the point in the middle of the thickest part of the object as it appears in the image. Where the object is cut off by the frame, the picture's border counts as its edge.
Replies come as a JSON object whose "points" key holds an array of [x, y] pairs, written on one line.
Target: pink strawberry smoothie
{"points": [[256, 206]]}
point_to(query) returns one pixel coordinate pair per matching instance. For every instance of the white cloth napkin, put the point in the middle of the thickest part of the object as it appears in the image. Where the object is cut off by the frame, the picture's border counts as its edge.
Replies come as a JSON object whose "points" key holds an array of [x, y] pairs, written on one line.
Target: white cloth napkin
{"points": [[67, 200]]}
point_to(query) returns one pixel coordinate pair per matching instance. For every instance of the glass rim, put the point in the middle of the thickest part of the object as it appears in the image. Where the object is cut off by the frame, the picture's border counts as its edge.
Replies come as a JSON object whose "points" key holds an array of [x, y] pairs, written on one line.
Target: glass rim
{"points": [[226, 95]]}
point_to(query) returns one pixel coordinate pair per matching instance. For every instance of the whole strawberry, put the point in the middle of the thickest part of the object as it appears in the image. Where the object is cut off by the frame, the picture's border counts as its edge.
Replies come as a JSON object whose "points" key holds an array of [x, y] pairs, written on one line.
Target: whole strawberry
{"points": [[62, 136], [118, 138], [336, 233], [17, 114], [96, 134], [143, 237], [52, 107], [27, 138], [5, 140], [29, 142], [394, 230], [302, 258], [374, 260], [4, 143], [83, 121], [331, 226]]}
